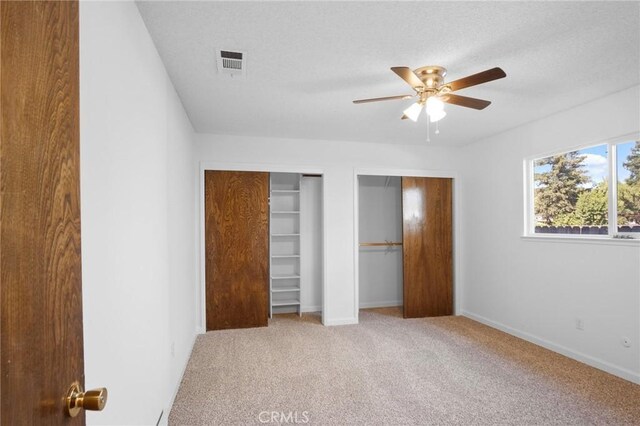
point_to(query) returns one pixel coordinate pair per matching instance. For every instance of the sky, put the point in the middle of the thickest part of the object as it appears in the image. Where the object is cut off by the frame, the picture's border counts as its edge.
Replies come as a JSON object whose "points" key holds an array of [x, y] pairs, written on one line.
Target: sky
{"points": [[596, 164]]}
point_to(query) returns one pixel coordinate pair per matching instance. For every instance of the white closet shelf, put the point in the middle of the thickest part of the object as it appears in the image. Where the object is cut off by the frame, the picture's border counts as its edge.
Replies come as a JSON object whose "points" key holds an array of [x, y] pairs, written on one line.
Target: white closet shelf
{"points": [[284, 240], [285, 302], [284, 289]]}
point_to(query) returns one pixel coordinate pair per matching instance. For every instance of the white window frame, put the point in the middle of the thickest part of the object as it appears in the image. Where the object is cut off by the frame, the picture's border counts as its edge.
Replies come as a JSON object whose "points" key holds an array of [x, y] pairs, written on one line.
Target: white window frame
{"points": [[529, 181]]}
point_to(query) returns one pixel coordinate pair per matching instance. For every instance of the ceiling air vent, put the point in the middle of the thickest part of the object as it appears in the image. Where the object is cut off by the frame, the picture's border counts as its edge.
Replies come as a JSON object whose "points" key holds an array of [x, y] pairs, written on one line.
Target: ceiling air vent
{"points": [[231, 62]]}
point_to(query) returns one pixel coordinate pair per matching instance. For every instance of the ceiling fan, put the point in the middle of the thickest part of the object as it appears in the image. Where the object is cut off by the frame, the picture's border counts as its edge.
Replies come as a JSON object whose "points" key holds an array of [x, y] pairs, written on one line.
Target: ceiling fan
{"points": [[431, 90]]}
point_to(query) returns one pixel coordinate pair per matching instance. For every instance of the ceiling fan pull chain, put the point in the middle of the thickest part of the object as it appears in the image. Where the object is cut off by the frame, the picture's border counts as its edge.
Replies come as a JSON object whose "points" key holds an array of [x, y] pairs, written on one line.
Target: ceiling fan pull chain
{"points": [[437, 128]]}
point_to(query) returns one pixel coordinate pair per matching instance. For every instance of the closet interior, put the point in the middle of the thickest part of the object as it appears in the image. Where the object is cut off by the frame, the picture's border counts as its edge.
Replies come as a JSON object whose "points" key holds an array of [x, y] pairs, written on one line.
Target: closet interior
{"points": [[405, 244], [295, 243], [263, 246], [285, 235], [380, 241]]}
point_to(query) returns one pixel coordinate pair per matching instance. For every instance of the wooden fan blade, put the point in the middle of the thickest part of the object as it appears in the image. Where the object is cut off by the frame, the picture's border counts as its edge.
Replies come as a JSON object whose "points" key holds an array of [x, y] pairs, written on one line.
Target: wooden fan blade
{"points": [[464, 101], [404, 117], [475, 79], [407, 75], [386, 98]]}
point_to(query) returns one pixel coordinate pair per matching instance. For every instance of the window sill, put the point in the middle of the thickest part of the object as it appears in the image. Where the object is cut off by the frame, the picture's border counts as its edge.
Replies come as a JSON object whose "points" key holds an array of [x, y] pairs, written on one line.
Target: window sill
{"points": [[604, 240]]}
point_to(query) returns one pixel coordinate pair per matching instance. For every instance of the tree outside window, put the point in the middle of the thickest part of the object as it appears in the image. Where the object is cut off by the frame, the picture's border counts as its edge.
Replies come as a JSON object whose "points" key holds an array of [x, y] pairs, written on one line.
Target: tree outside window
{"points": [[571, 190], [628, 185]]}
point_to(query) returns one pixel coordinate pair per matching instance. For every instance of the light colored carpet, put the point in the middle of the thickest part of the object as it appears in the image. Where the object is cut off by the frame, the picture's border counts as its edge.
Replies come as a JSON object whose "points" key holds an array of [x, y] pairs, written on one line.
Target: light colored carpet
{"points": [[388, 370]]}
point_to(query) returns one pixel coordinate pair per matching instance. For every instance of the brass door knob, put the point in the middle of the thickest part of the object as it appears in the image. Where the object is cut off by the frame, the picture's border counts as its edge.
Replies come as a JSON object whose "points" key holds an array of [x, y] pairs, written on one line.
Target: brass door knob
{"points": [[94, 399]]}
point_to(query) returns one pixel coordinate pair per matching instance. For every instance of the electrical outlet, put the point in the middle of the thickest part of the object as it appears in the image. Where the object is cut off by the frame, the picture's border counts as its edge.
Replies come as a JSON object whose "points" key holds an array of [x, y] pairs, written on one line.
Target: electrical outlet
{"points": [[579, 324], [626, 342]]}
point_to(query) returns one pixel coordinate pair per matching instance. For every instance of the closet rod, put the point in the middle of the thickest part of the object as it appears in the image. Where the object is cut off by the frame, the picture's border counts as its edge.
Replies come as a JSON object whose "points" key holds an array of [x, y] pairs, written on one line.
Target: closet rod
{"points": [[386, 243]]}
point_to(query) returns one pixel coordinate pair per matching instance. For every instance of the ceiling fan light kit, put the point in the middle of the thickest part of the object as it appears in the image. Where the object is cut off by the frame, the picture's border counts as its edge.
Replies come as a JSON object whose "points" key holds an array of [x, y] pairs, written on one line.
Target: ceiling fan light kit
{"points": [[435, 109], [431, 90], [413, 112], [436, 116]]}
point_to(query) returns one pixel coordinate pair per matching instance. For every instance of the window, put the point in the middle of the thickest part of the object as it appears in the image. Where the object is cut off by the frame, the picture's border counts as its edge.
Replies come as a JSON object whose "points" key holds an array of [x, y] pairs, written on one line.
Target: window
{"points": [[628, 180], [571, 192]]}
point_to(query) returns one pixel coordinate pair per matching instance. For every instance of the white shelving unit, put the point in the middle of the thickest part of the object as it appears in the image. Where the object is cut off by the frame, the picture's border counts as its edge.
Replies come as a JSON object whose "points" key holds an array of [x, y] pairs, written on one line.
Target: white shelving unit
{"points": [[284, 247]]}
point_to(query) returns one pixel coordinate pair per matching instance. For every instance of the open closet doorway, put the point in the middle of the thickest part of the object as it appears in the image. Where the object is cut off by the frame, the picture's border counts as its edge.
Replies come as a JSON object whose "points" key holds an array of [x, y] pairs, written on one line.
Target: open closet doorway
{"points": [[263, 247], [405, 245], [296, 244], [380, 245]]}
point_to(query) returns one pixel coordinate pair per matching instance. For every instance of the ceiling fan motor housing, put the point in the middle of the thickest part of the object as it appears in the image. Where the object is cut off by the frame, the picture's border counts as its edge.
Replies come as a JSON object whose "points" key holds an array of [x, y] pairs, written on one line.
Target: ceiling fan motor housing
{"points": [[432, 76]]}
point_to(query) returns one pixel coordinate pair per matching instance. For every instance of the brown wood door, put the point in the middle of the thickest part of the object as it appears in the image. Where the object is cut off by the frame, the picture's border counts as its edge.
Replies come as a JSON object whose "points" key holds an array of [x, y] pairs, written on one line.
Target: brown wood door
{"points": [[41, 352], [237, 249], [427, 246]]}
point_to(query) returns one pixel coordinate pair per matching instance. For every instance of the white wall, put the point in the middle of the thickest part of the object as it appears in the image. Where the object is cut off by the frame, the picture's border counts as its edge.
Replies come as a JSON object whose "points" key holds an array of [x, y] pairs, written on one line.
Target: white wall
{"points": [[181, 206], [138, 214], [380, 219], [537, 288], [337, 160], [311, 243]]}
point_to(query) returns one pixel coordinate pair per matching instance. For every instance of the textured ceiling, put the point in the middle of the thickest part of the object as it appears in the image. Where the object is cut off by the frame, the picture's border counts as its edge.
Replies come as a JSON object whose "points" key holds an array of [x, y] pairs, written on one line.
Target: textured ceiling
{"points": [[306, 62]]}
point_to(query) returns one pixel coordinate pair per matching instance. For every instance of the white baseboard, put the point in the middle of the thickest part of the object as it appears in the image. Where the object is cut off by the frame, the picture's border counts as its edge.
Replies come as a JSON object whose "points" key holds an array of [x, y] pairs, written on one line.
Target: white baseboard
{"points": [[312, 308], [389, 304], [578, 356], [340, 321]]}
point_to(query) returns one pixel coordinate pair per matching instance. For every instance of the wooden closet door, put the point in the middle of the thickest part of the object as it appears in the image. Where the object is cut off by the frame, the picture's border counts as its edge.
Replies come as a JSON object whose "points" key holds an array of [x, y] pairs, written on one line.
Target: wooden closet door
{"points": [[41, 343], [427, 246], [237, 249]]}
